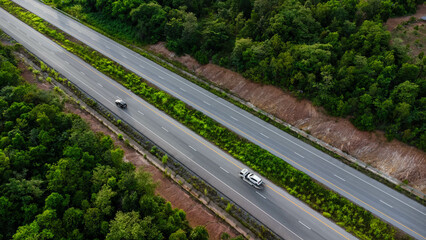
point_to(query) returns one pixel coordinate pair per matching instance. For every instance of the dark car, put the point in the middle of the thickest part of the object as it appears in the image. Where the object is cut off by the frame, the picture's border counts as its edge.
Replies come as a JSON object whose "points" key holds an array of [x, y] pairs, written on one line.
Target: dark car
{"points": [[120, 103]]}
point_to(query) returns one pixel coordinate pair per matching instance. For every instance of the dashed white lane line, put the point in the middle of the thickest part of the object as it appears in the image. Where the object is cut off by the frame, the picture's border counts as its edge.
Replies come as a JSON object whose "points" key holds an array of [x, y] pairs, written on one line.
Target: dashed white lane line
{"points": [[193, 148], [264, 135], [387, 204], [107, 47], [100, 85], [339, 178], [206, 103], [233, 118], [66, 62], [183, 90], [299, 155], [224, 169], [164, 129], [83, 73], [141, 112], [124, 56], [305, 225], [160, 77], [260, 195]]}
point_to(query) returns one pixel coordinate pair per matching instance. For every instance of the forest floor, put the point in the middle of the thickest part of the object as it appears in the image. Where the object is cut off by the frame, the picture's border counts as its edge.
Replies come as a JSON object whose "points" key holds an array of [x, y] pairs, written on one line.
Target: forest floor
{"points": [[196, 213], [393, 158]]}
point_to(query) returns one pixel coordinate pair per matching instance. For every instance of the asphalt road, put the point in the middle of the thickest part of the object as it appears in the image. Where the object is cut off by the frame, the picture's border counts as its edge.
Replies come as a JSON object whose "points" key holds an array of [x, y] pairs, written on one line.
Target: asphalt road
{"points": [[382, 201], [281, 212]]}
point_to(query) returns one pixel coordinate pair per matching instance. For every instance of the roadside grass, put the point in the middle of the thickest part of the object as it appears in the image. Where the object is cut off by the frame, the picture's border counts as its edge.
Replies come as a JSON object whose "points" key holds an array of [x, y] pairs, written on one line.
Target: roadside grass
{"points": [[348, 215]]}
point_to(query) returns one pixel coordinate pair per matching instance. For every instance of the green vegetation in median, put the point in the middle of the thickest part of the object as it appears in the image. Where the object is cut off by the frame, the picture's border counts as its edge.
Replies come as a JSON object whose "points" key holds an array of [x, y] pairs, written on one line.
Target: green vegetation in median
{"points": [[348, 215], [335, 53], [60, 180]]}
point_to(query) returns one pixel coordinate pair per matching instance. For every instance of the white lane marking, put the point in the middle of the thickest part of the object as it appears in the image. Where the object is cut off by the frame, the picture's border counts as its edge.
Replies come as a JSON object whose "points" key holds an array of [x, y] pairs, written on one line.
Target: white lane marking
{"points": [[107, 47], [387, 204], [66, 62], [83, 73], [264, 135], [195, 163], [261, 125], [214, 176], [304, 225], [164, 129], [192, 148], [233, 118], [224, 169], [124, 56], [100, 85], [339, 178], [260, 195], [183, 90], [118, 97], [206, 103], [299, 155], [141, 112], [160, 77]]}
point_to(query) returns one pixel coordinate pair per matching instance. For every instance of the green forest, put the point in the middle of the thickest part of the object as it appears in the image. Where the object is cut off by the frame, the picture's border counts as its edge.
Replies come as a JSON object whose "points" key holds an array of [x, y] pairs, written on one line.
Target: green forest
{"points": [[335, 53], [60, 180]]}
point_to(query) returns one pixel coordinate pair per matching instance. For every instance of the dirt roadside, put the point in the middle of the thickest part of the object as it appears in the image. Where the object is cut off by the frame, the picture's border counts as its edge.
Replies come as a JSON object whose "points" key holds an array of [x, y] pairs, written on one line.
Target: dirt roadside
{"points": [[196, 212], [394, 158]]}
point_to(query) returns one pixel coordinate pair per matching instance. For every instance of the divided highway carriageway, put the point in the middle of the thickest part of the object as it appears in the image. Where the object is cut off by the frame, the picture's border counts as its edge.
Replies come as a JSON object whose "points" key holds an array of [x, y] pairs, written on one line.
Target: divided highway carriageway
{"points": [[386, 203]]}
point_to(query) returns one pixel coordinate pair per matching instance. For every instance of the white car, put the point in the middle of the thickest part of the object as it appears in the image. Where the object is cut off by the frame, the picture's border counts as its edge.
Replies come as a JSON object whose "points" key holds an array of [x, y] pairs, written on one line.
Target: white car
{"points": [[251, 178]]}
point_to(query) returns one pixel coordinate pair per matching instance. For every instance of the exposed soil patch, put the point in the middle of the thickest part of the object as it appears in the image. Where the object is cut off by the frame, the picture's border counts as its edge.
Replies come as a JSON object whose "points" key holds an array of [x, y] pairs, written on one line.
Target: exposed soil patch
{"points": [[412, 35], [391, 23], [196, 213], [393, 158]]}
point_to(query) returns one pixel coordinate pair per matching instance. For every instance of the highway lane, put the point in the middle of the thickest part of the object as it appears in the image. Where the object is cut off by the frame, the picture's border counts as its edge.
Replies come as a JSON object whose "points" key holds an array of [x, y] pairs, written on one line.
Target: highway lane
{"points": [[278, 210], [384, 202]]}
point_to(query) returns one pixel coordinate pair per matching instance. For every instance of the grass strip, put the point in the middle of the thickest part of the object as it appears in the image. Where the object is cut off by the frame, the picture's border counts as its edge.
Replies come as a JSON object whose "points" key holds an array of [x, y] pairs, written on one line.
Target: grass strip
{"points": [[346, 214]]}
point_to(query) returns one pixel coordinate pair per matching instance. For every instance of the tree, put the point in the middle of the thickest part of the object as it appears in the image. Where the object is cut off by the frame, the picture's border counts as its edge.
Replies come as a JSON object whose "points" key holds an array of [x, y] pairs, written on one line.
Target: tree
{"points": [[405, 92], [55, 201], [178, 235], [103, 200], [73, 218], [130, 226], [199, 233], [150, 19], [92, 222]]}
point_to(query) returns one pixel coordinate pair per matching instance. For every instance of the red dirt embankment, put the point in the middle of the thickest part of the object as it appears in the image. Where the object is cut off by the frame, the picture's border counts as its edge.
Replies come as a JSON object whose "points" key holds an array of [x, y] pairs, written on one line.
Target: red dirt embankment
{"points": [[196, 213], [393, 158]]}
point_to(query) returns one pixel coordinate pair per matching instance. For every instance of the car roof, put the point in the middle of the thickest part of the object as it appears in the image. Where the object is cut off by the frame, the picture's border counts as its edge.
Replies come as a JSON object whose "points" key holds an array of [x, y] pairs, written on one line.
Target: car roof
{"points": [[256, 178]]}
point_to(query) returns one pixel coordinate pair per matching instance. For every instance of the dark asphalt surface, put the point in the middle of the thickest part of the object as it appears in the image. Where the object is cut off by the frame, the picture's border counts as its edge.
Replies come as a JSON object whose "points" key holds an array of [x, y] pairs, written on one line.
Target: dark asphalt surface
{"points": [[384, 202]]}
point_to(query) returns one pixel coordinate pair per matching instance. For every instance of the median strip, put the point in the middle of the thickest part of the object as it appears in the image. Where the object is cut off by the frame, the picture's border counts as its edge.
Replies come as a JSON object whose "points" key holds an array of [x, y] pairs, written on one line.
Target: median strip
{"points": [[294, 181]]}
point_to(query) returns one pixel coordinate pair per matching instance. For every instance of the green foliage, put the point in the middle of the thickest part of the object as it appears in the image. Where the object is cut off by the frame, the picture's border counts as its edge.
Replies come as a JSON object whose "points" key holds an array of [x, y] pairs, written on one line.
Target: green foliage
{"points": [[164, 159], [331, 52], [59, 180], [331, 72]]}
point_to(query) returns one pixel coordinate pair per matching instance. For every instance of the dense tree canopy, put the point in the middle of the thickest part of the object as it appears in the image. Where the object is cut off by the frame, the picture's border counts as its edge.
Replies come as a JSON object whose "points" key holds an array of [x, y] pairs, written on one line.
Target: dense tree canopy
{"points": [[60, 180], [335, 53]]}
